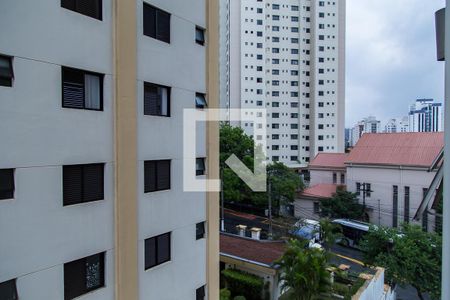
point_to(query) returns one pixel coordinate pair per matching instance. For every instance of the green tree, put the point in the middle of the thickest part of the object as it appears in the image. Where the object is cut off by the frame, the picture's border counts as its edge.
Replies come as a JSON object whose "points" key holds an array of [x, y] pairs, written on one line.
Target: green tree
{"points": [[284, 181], [304, 271], [329, 233], [409, 255], [343, 204]]}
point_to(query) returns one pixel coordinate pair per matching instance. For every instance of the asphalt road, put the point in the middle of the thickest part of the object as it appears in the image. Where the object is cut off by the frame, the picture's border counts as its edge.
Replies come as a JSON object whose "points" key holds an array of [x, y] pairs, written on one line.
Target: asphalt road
{"points": [[344, 255]]}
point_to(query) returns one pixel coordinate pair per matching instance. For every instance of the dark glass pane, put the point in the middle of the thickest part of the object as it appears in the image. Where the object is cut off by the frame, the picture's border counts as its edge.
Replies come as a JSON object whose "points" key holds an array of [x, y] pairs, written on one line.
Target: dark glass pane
{"points": [[69, 4], [200, 293], [72, 184], [163, 175], [149, 21], [152, 100], [93, 183], [149, 176], [8, 290], [91, 8], [6, 183], [163, 26], [95, 271], [150, 252], [200, 230], [163, 248], [6, 71], [200, 166], [74, 278]]}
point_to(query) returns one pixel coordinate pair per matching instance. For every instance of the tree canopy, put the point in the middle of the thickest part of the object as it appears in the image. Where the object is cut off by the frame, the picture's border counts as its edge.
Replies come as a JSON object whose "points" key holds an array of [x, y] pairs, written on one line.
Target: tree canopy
{"points": [[343, 204], [409, 255]]}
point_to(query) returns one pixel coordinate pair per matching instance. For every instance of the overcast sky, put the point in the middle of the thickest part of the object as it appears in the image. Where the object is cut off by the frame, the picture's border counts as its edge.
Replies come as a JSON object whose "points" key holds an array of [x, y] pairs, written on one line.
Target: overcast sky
{"points": [[391, 57]]}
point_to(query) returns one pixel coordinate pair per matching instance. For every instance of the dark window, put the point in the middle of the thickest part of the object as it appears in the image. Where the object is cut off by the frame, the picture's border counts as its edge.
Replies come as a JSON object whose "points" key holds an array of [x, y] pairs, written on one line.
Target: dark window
{"points": [[8, 290], [6, 184], [394, 206], [368, 189], [425, 212], [334, 178], [157, 250], [200, 230], [358, 188], [200, 35], [294, 147], [200, 293], [84, 275], [83, 183], [200, 100], [320, 148], [156, 23], [156, 175], [156, 100], [200, 166], [316, 207], [82, 89], [406, 213], [92, 8], [342, 178], [6, 71]]}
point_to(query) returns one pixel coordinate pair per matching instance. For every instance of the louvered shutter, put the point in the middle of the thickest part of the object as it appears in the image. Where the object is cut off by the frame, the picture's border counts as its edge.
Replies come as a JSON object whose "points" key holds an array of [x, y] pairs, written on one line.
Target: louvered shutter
{"points": [[95, 271], [163, 175], [163, 248], [150, 252], [72, 184], [93, 183], [91, 8], [6, 183], [74, 279], [73, 88], [152, 100], [69, 4], [149, 21], [163, 26], [149, 176]]}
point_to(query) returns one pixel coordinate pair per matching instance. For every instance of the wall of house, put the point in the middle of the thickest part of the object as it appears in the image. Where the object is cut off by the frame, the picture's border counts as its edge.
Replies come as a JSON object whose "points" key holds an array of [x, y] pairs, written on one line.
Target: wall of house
{"points": [[326, 176], [382, 180], [304, 208]]}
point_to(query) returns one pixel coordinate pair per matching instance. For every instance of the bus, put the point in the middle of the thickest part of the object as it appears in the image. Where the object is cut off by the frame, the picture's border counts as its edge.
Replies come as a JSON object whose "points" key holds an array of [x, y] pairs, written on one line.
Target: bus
{"points": [[352, 231]]}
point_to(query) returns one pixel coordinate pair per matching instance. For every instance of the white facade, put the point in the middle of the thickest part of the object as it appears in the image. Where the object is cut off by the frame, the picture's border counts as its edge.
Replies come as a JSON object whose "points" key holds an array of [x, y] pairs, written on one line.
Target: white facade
{"points": [[394, 125], [425, 115], [384, 180], [366, 125], [39, 136], [288, 57]]}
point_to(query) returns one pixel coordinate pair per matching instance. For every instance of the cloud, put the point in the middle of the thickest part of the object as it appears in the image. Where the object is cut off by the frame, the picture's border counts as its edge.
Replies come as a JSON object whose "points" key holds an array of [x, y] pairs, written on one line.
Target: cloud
{"points": [[391, 57]]}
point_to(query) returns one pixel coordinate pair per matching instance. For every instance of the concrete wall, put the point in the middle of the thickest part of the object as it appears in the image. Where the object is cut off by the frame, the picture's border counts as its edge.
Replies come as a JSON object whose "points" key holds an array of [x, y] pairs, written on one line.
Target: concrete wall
{"points": [[304, 208], [382, 181], [326, 176]]}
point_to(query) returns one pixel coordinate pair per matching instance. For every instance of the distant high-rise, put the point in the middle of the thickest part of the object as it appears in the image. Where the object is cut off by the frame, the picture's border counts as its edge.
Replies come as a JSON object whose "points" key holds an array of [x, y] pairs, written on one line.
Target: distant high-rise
{"points": [[287, 57], [366, 125], [395, 125], [425, 115]]}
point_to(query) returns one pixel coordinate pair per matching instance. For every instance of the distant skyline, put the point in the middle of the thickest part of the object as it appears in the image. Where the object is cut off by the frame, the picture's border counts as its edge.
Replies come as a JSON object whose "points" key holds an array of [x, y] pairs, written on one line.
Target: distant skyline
{"points": [[391, 57]]}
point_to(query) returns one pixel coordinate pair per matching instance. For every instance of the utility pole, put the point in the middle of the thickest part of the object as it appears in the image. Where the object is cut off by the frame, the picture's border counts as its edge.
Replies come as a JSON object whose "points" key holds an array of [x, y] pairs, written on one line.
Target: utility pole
{"points": [[269, 194], [222, 211]]}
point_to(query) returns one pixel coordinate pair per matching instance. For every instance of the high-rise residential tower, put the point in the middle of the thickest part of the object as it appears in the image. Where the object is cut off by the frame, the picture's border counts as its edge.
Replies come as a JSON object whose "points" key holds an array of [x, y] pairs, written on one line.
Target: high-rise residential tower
{"points": [[287, 57], [425, 115], [92, 202]]}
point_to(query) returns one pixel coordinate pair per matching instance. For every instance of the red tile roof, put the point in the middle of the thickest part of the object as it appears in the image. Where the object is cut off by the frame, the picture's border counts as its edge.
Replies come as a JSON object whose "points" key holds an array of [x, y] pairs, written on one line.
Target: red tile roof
{"points": [[321, 190], [265, 252], [405, 149], [329, 160]]}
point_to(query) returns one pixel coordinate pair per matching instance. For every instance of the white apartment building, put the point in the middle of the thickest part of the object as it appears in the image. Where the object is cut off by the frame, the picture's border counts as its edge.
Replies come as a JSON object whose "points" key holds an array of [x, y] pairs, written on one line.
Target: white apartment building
{"points": [[425, 115], [366, 125], [289, 58], [91, 122], [394, 125]]}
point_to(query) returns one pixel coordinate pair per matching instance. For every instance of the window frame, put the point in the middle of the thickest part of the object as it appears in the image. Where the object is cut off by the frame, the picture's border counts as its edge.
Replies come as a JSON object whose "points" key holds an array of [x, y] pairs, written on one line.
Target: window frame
{"points": [[157, 261], [146, 190], [10, 80], [12, 189], [200, 230], [200, 293], [200, 172], [12, 288], [84, 72], [100, 9], [83, 200], [82, 261], [169, 98], [148, 5], [203, 103], [203, 31]]}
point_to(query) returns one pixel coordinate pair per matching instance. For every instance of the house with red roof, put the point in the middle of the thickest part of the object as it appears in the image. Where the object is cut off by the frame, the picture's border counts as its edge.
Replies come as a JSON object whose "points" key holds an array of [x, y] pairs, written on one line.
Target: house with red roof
{"points": [[391, 173]]}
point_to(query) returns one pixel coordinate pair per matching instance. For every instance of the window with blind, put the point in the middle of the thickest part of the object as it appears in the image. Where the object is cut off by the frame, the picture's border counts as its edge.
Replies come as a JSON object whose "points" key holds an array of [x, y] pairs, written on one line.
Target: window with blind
{"points": [[200, 166], [6, 71], [90, 8], [200, 101], [200, 35], [8, 290], [406, 212], [200, 230], [84, 275], [157, 250], [6, 184], [156, 100], [82, 89], [200, 293], [83, 183], [156, 175], [156, 23]]}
